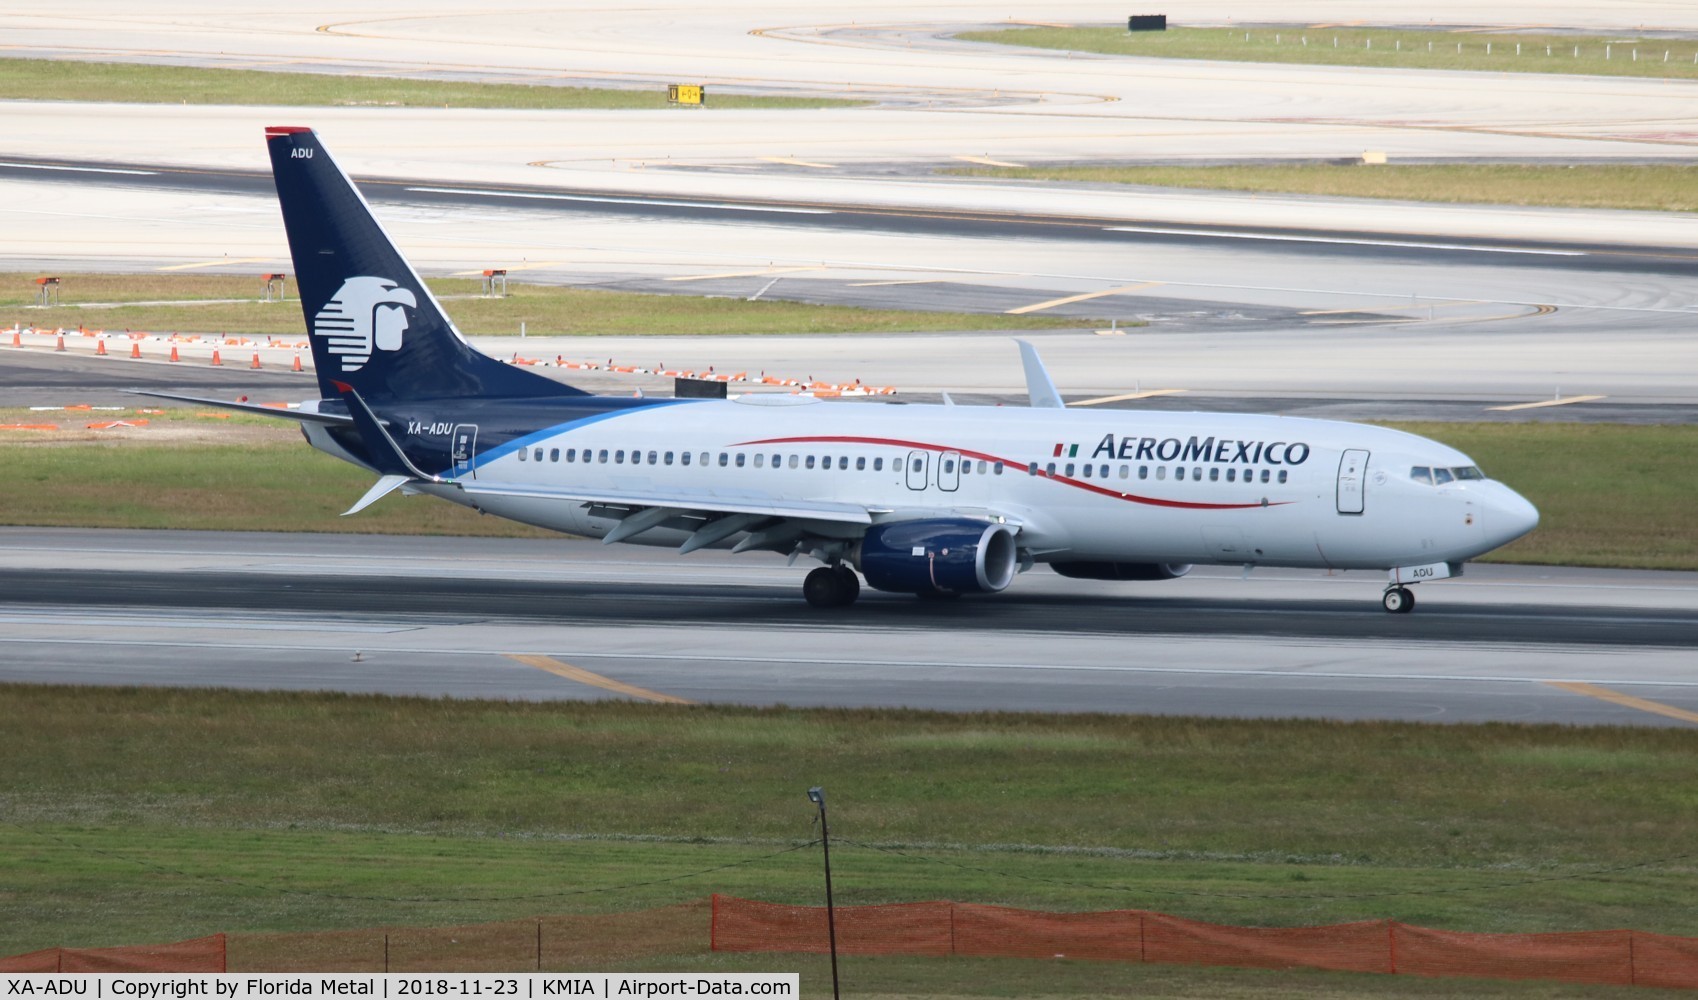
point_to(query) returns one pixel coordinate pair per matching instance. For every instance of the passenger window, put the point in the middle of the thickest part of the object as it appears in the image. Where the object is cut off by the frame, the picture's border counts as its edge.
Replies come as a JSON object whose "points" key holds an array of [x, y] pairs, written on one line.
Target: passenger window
{"points": [[740, 459], [1087, 472], [703, 459], [793, 462], [668, 458], [1069, 472], [651, 458], [603, 457], [810, 462], [1442, 476], [524, 454], [723, 459], [878, 465], [843, 462], [861, 463], [1232, 475], [1214, 475], [1031, 468], [538, 455], [554, 454], [684, 459], [636, 458], [998, 468], [1125, 471], [919, 464], [619, 457], [1161, 472], [1179, 473], [760, 461], [1282, 475], [1264, 475], [948, 466], [1049, 469], [571, 454]]}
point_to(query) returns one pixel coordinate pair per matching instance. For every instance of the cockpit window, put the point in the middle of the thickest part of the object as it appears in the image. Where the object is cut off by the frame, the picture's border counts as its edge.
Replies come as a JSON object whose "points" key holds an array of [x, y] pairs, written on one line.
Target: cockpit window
{"points": [[1422, 474], [1442, 476], [1435, 476], [1468, 472]]}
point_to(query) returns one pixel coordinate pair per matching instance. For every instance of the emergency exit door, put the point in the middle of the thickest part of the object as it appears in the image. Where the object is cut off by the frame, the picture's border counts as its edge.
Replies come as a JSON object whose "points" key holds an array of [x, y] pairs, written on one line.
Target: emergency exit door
{"points": [[1352, 470]]}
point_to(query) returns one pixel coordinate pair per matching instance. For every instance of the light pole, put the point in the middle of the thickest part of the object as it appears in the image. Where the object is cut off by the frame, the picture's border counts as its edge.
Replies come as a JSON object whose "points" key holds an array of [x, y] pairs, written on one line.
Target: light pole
{"points": [[817, 797]]}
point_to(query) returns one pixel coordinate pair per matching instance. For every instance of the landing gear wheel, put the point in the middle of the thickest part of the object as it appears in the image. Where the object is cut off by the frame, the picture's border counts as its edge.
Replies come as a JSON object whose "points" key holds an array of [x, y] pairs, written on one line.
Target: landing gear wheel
{"points": [[1399, 600], [831, 587], [851, 584]]}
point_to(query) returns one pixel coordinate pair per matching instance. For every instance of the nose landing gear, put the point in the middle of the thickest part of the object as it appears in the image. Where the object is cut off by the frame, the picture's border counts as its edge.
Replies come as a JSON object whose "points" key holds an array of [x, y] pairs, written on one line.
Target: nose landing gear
{"points": [[1398, 600], [831, 587]]}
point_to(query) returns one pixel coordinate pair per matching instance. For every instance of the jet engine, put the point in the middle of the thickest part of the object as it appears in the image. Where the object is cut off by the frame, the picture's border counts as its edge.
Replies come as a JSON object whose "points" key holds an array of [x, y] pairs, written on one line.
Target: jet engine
{"points": [[944, 556], [1121, 571]]}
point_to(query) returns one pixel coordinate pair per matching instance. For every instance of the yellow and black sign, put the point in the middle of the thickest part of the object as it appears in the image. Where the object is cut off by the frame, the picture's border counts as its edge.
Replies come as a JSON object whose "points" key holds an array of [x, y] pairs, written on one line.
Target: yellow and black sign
{"points": [[686, 93]]}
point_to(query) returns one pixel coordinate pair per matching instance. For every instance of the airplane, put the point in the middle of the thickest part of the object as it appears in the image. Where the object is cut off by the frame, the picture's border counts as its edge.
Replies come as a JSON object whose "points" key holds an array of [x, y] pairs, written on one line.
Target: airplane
{"points": [[935, 501]]}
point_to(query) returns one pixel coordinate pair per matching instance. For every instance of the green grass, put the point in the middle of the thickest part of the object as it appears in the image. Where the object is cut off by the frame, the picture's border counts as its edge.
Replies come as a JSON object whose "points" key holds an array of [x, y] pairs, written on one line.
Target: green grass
{"points": [[137, 815], [1643, 187], [1389, 48], [193, 304], [1609, 494], [72, 80]]}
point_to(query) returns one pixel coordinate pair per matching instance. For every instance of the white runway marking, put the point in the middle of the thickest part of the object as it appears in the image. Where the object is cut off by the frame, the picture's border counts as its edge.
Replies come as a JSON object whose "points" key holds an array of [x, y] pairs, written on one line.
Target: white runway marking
{"points": [[1227, 234], [78, 170], [612, 200]]}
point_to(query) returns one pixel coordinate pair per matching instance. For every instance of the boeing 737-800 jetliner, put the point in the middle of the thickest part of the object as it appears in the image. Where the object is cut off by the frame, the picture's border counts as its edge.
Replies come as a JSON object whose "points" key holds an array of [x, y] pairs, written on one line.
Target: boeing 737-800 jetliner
{"points": [[928, 500]]}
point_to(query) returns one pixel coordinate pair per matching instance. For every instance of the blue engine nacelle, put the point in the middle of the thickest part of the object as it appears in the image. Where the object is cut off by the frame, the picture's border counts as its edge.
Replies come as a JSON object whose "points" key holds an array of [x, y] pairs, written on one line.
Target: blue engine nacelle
{"points": [[956, 556]]}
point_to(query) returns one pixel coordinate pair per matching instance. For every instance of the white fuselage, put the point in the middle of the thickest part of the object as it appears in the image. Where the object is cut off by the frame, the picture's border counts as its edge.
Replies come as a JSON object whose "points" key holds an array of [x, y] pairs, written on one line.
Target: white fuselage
{"points": [[1109, 485]]}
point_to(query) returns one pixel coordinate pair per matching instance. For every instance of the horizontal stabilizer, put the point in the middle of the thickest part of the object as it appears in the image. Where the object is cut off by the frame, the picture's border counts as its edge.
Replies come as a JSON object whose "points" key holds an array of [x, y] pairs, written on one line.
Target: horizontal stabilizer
{"points": [[304, 416]]}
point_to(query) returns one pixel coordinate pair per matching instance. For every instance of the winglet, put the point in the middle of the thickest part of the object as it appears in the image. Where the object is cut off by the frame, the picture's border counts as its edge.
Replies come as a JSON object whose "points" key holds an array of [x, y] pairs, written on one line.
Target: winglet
{"points": [[1039, 388], [384, 487], [391, 461]]}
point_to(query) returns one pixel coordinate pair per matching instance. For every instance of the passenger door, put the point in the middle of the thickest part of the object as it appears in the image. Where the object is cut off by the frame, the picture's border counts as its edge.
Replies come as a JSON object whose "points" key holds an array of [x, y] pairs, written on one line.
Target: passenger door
{"points": [[919, 467], [1352, 472]]}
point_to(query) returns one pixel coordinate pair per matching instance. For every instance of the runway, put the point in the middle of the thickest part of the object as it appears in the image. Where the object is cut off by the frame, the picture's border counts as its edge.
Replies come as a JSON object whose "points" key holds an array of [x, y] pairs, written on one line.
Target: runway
{"points": [[568, 619]]}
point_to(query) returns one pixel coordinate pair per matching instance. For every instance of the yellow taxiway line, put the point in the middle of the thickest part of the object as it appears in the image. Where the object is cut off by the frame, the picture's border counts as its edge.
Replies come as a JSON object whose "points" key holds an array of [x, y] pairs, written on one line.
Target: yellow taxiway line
{"points": [[214, 263], [1625, 700], [1564, 401], [1146, 394], [987, 161], [791, 161], [583, 676], [1052, 303]]}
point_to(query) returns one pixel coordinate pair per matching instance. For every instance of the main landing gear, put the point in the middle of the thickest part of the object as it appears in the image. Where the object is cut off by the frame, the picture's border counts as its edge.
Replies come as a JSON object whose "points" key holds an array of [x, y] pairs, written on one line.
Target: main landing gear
{"points": [[1398, 600], [831, 587]]}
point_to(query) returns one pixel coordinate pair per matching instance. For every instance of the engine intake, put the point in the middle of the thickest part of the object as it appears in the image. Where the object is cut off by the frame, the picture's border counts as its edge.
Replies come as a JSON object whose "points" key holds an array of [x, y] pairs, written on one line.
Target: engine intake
{"points": [[944, 556], [1121, 571]]}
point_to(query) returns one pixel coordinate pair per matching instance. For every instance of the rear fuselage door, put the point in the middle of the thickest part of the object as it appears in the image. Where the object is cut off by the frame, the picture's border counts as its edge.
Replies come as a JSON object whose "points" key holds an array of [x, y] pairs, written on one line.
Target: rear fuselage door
{"points": [[1352, 472], [464, 450], [919, 463]]}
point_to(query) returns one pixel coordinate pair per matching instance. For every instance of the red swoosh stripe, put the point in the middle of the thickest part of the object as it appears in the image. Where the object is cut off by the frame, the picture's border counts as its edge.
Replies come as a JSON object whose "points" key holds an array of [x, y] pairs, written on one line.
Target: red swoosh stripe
{"points": [[1090, 487]]}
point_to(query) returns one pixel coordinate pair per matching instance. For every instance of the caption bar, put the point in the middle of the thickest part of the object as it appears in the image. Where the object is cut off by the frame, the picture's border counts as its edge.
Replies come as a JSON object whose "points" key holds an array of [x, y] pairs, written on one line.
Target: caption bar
{"points": [[396, 986]]}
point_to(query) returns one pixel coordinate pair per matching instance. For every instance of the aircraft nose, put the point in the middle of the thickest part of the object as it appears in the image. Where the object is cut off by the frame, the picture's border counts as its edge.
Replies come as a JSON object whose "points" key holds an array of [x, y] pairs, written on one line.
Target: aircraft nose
{"points": [[1511, 515]]}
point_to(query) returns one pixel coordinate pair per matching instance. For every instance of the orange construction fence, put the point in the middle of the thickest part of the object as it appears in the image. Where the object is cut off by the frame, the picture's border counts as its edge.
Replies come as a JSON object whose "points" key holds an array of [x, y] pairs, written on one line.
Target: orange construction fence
{"points": [[1622, 957], [205, 954]]}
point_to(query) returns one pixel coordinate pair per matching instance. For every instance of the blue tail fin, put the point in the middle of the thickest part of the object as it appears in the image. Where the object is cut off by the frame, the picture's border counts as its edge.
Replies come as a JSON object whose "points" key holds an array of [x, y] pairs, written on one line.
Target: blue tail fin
{"points": [[374, 325]]}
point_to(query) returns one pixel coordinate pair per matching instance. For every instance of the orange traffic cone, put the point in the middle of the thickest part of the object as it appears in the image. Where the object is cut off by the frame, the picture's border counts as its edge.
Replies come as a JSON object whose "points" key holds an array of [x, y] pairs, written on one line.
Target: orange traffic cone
{"points": [[17, 339], [100, 348], [135, 350], [174, 353], [215, 358], [297, 366], [255, 362], [60, 346]]}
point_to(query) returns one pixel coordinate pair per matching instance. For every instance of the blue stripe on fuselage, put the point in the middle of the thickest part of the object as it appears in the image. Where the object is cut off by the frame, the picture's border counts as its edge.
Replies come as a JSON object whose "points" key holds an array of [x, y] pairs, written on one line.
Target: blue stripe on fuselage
{"points": [[513, 445]]}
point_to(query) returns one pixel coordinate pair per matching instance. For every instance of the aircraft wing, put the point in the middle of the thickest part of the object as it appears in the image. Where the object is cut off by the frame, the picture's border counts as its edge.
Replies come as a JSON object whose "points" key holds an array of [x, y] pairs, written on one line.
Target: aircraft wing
{"points": [[684, 501]]}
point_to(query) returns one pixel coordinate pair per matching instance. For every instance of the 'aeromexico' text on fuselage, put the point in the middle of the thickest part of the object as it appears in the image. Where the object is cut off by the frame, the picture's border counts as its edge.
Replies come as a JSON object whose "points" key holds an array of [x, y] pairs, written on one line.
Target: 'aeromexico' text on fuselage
{"points": [[1194, 449]]}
